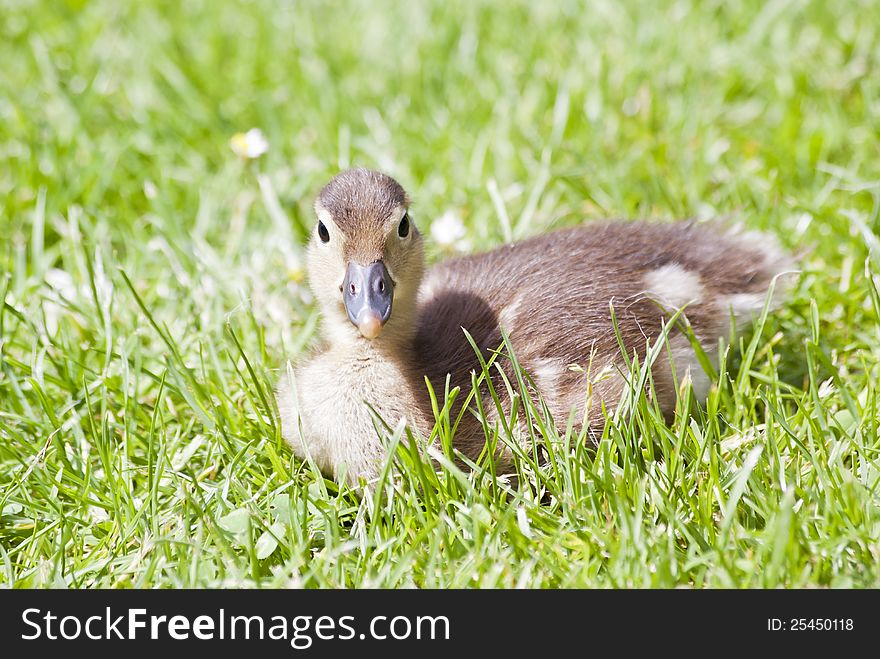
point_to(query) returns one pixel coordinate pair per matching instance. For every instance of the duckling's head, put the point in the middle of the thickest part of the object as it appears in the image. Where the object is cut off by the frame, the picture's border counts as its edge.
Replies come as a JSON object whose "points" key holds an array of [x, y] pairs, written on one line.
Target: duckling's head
{"points": [[365, 258]]}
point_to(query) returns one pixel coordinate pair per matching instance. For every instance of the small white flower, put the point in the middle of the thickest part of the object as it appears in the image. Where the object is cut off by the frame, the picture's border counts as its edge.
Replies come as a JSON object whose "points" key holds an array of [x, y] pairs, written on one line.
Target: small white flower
{"points": [[249, 145], [448, 229]]}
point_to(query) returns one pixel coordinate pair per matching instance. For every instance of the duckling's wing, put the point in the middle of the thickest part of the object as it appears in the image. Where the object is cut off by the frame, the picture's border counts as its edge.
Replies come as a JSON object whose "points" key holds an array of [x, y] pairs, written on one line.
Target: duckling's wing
{"points": [[553, 293]]}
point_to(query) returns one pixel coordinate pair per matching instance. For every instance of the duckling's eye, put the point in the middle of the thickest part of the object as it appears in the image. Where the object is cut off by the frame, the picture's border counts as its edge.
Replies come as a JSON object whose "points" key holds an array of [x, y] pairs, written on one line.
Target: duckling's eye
{"points": [[323, 234], [403, 227]]}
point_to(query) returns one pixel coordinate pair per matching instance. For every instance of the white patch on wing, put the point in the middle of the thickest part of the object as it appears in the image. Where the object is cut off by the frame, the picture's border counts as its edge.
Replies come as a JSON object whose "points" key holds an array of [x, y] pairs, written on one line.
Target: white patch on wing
{"points": [[688, 367], [760, 243], [508, 315], [546, 373], [673, 286]]}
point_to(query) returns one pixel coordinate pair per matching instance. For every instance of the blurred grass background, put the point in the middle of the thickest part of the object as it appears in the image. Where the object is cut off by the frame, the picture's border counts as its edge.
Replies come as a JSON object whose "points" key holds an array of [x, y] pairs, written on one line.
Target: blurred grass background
{"points": [[154, 288]]}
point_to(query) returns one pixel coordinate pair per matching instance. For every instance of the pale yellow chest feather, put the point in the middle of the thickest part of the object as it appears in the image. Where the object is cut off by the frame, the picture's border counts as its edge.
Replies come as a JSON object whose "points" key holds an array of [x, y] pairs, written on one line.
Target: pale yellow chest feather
{"points": [[329, 411]]}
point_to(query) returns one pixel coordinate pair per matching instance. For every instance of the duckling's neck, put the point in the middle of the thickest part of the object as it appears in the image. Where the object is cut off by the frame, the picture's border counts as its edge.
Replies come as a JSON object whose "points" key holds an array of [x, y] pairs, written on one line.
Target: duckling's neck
{"points": [[379, 372], [393, 344]]}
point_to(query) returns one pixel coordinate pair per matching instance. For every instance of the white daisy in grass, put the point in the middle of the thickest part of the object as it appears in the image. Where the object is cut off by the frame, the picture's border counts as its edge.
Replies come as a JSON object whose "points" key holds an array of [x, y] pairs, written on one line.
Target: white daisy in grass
{"points": [[249, 145], [448, 231]]}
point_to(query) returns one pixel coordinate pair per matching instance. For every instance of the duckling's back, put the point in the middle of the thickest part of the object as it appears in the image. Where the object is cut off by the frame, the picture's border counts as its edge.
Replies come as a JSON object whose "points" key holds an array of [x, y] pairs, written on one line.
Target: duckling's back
{"points": [[552, 294]]}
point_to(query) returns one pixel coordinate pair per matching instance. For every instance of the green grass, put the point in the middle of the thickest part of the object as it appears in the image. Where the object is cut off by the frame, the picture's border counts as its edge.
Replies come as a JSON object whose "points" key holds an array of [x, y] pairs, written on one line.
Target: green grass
{"points": [[153, 285]]}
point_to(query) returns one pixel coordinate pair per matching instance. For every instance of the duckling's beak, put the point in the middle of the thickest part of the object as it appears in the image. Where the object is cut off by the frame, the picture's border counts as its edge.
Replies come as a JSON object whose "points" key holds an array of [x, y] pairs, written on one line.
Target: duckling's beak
{"points": [[367, 292]]}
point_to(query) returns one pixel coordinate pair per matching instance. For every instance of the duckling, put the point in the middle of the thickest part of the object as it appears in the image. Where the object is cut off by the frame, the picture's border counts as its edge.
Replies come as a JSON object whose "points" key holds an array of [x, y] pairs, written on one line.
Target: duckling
{"points": [[387, 323]]}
